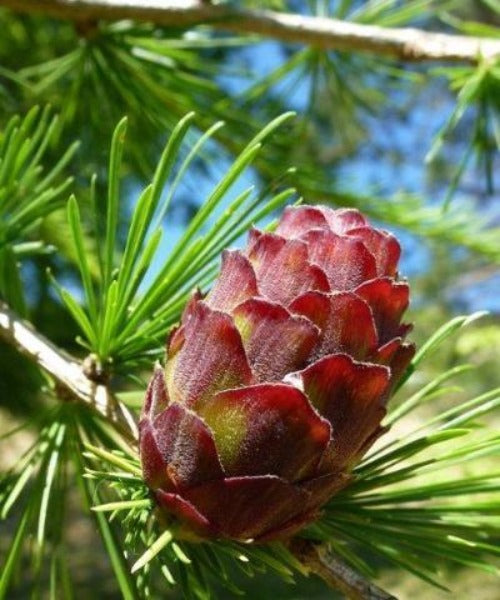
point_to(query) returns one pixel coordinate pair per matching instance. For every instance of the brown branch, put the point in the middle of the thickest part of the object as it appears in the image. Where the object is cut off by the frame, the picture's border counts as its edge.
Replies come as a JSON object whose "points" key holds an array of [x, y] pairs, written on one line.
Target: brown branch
{"points": [[68, 373], [318, 559], [408, 44]]}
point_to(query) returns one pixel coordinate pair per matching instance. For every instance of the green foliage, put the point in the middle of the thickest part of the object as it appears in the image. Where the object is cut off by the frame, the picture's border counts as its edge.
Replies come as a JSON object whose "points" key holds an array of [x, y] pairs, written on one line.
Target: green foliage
{"points": [[129, 311], [478, 91], [99, 71], [39, 481], [339, 79], [28, 193], [95, 73], [428, 494]]}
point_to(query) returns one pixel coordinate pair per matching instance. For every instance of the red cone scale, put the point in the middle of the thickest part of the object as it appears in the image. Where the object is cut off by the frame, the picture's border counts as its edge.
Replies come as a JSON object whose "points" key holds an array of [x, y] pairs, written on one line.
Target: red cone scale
{"points": [[276, 382]]}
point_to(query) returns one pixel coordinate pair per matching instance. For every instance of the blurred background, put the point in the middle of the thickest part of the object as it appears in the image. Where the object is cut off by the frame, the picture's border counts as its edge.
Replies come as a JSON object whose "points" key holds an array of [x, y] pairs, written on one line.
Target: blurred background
{"points": [[402, 142]]}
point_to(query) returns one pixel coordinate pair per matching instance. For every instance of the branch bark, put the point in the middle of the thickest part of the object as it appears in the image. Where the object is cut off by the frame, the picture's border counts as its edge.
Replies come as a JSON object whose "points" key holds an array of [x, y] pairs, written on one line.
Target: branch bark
{"points": [[68, 373], [335, 572], [408, 44]]}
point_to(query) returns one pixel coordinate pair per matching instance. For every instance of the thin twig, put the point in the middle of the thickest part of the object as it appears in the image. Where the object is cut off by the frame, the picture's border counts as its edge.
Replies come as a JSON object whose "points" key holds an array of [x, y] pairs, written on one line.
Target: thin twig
{"points": [[335, 572], [67, 372], [408, 44]]}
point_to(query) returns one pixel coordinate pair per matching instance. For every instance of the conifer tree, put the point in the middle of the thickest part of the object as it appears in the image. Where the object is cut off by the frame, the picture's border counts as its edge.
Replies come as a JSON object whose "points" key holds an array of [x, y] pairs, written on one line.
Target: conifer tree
{"points": [[234, 201]]}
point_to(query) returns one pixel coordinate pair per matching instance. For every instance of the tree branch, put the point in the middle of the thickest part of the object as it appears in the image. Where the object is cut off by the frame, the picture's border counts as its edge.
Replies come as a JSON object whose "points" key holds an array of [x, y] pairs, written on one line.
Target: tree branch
{"points": [[68, 373], [335, 572], [408, 44]]}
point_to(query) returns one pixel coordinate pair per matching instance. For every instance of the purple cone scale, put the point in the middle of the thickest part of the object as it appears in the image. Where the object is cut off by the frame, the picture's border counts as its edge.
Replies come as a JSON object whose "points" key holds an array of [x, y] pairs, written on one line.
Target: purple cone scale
{"points": [[276, 382]]}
